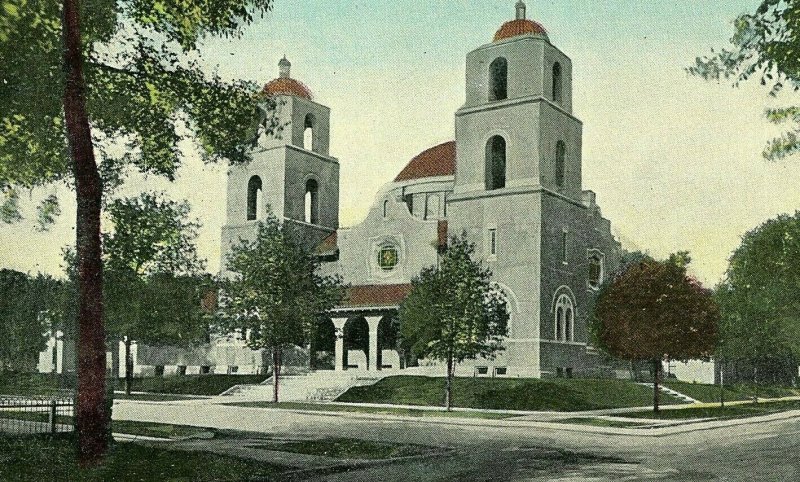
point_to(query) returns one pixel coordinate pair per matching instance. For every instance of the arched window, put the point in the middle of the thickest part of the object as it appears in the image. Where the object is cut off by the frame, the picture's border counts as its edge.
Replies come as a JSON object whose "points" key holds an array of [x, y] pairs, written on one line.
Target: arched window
{"points": [[312, 202], [595, 269], [557, 83], [565, 319], [308, 133], [254, 199], [495, 163], [561, 155], [385, 208], [498, 79]]}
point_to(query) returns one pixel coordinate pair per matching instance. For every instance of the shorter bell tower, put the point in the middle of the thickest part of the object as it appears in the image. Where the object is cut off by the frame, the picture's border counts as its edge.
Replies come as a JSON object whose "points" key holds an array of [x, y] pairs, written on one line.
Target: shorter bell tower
{"points": [[291, 173]]}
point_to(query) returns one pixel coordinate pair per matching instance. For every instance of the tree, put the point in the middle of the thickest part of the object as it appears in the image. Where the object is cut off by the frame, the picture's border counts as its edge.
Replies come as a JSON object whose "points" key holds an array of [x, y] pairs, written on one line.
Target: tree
{"points": [[760, 301], [274, 294], [153, 281], [454, 312], [654, 311], [28, 307], [128, 78], [764, 45]]}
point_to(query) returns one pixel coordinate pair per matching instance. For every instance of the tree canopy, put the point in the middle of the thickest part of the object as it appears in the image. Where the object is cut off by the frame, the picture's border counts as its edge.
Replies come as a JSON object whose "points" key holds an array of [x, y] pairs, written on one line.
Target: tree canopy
{"points": [[760, 297], [29, 307], [654, 311], [764, 46], [454, 312], [273, 293]]}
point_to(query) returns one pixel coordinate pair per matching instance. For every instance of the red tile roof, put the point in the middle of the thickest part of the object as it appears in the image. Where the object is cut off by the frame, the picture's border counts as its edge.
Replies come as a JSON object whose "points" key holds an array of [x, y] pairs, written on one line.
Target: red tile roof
{"points": [[436, 161], [287, 86], [519, 27], [375, 295]]}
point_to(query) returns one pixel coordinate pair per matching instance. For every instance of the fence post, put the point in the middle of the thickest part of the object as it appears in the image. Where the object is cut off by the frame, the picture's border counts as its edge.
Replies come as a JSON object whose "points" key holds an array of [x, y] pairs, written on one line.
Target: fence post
{"points": [[53, 416]]}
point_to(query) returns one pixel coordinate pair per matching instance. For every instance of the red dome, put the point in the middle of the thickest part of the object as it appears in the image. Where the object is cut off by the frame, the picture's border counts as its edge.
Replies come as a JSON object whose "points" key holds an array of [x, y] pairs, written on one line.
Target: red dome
{"points": [[518, 27], [436, 161], [287, 86]]}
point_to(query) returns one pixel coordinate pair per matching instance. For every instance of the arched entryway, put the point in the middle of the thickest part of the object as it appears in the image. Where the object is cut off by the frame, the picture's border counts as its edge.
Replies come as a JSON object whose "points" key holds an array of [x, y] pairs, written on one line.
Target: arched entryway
{"points": [[356, 343], [389, 356]]}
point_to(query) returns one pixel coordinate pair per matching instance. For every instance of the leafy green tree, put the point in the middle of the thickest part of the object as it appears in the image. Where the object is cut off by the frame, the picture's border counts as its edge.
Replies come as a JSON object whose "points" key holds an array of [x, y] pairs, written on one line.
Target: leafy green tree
{"points": [[653, 311], [28, 309], [79, 79], [760, 301], [274, 294], [764, 46], [154, 286], [454, 312]]}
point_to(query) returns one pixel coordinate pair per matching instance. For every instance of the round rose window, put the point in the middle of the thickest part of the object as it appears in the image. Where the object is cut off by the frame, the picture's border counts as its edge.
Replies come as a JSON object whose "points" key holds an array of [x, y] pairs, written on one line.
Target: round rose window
{"points": [[388, 258]]}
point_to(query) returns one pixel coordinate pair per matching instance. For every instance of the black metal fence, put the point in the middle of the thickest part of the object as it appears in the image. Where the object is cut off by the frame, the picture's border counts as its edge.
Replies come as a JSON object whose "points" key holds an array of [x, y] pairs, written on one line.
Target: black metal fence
{"points": [[36, 414]]}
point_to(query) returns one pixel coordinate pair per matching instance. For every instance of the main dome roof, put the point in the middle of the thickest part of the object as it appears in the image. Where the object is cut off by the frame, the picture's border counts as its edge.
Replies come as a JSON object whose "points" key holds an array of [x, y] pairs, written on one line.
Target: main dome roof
{"points": [[437, 161]]}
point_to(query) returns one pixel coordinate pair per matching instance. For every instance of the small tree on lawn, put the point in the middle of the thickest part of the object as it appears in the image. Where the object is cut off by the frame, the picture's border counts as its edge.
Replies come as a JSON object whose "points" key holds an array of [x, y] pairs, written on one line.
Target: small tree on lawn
{"points": [[454, 313], [274, 294], [654, 311]]}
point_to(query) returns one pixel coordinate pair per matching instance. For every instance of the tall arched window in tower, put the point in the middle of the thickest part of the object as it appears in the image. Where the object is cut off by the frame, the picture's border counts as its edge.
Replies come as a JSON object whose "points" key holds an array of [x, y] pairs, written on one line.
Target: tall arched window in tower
{"points": [[308, 132], [561, 155], [557, 83], [254, 199], [498, 79], [495, 163], [312, 202], [565, 319]]}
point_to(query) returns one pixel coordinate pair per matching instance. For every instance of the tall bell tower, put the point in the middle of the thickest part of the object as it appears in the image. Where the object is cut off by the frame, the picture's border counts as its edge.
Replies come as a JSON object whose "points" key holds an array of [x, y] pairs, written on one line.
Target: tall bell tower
{"points": [[292, 174], [517, 146]]}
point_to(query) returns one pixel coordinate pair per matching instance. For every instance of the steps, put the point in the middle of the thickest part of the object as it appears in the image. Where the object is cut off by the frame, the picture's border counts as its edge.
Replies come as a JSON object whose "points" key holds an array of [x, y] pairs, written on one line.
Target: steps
{"points": [[669, 391], [313, 386]]}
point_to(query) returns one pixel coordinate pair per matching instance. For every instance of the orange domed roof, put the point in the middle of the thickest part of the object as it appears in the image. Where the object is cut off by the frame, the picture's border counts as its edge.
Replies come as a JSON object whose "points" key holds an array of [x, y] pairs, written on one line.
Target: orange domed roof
{"points": [[436, 161], [519, 27], [287, 86]]}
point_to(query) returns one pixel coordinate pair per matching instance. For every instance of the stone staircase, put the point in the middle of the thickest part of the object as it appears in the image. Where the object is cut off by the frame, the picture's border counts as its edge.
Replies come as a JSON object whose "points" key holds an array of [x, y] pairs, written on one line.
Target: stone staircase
{"points": [[669, 391], [312, 386]]}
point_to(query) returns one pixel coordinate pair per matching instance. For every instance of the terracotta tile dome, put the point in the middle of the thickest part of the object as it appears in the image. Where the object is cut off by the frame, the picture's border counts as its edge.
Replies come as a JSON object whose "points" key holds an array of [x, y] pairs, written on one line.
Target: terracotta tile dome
{"points": [[515, 28], [287, 86], [437, 161]]}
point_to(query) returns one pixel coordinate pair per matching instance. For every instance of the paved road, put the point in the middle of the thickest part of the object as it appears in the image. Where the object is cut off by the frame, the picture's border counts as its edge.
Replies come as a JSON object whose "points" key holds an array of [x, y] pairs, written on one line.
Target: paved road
{"points": [[485, 450]]}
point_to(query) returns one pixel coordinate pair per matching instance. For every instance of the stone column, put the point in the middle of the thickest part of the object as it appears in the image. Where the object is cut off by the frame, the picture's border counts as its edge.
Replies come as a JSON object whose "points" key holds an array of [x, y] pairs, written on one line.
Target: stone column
{"points": [[373, 322], [338, 324]]}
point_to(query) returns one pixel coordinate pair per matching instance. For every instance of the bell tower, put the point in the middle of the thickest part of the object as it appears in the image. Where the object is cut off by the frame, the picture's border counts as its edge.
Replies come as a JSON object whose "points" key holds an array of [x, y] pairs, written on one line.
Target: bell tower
{"points": [[291, 174]]}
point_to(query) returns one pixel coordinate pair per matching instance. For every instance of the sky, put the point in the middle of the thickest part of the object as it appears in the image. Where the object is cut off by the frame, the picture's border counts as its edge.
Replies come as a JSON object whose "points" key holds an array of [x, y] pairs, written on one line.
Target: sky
{"points": [[675, 161]]}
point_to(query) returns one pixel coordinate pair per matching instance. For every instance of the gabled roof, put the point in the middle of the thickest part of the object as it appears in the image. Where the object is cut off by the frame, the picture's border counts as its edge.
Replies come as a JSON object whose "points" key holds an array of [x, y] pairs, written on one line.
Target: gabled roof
{"points": [[437, 161]]}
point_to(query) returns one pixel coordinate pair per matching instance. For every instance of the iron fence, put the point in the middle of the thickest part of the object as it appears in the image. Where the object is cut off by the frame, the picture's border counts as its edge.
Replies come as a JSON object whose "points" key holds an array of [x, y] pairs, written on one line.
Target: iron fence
{"points": [[20, 414]]}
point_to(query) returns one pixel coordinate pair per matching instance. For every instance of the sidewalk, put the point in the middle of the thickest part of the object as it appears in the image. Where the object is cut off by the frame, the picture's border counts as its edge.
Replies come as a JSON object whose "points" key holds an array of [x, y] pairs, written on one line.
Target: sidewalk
{"points": [[214, 415]]}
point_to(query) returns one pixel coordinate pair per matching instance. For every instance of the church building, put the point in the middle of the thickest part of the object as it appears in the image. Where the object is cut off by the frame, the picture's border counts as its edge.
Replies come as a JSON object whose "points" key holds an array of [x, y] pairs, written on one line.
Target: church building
{"points": [[510, 179]]}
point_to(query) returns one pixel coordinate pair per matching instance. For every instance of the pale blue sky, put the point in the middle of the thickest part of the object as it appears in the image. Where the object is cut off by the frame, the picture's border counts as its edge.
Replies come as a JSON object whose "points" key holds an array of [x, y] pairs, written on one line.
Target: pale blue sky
{"points": [[675, 161]]}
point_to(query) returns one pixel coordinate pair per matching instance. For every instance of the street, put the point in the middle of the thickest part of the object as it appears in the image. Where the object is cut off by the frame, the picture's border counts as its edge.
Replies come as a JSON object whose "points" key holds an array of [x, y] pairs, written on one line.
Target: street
{"points": [[762, 449]]}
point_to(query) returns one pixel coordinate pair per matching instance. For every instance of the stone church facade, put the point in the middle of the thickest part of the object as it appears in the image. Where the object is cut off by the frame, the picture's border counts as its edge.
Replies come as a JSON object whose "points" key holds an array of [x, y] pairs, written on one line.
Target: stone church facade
{"points": [[511, 180]]}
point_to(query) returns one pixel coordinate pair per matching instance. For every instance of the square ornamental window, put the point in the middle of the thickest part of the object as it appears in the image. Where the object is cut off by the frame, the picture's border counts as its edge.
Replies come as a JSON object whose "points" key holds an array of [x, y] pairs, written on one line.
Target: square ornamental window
{"points": [[388, 257]]}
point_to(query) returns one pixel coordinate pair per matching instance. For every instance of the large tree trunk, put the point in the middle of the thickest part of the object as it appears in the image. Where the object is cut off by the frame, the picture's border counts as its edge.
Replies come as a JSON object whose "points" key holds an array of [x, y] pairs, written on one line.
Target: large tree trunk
{"points": [[128, 367], [656, 375], [448, 392], [276, 370], [92, 412]]}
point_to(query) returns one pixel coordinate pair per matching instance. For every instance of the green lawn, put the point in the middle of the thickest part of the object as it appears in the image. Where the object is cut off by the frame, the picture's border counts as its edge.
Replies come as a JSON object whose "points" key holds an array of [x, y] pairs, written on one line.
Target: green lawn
{"points": [[190, 384], [556, 394], [118, 426], [48, 384], [710, 393], [728, 412], [324, 407], [52, 458]]}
